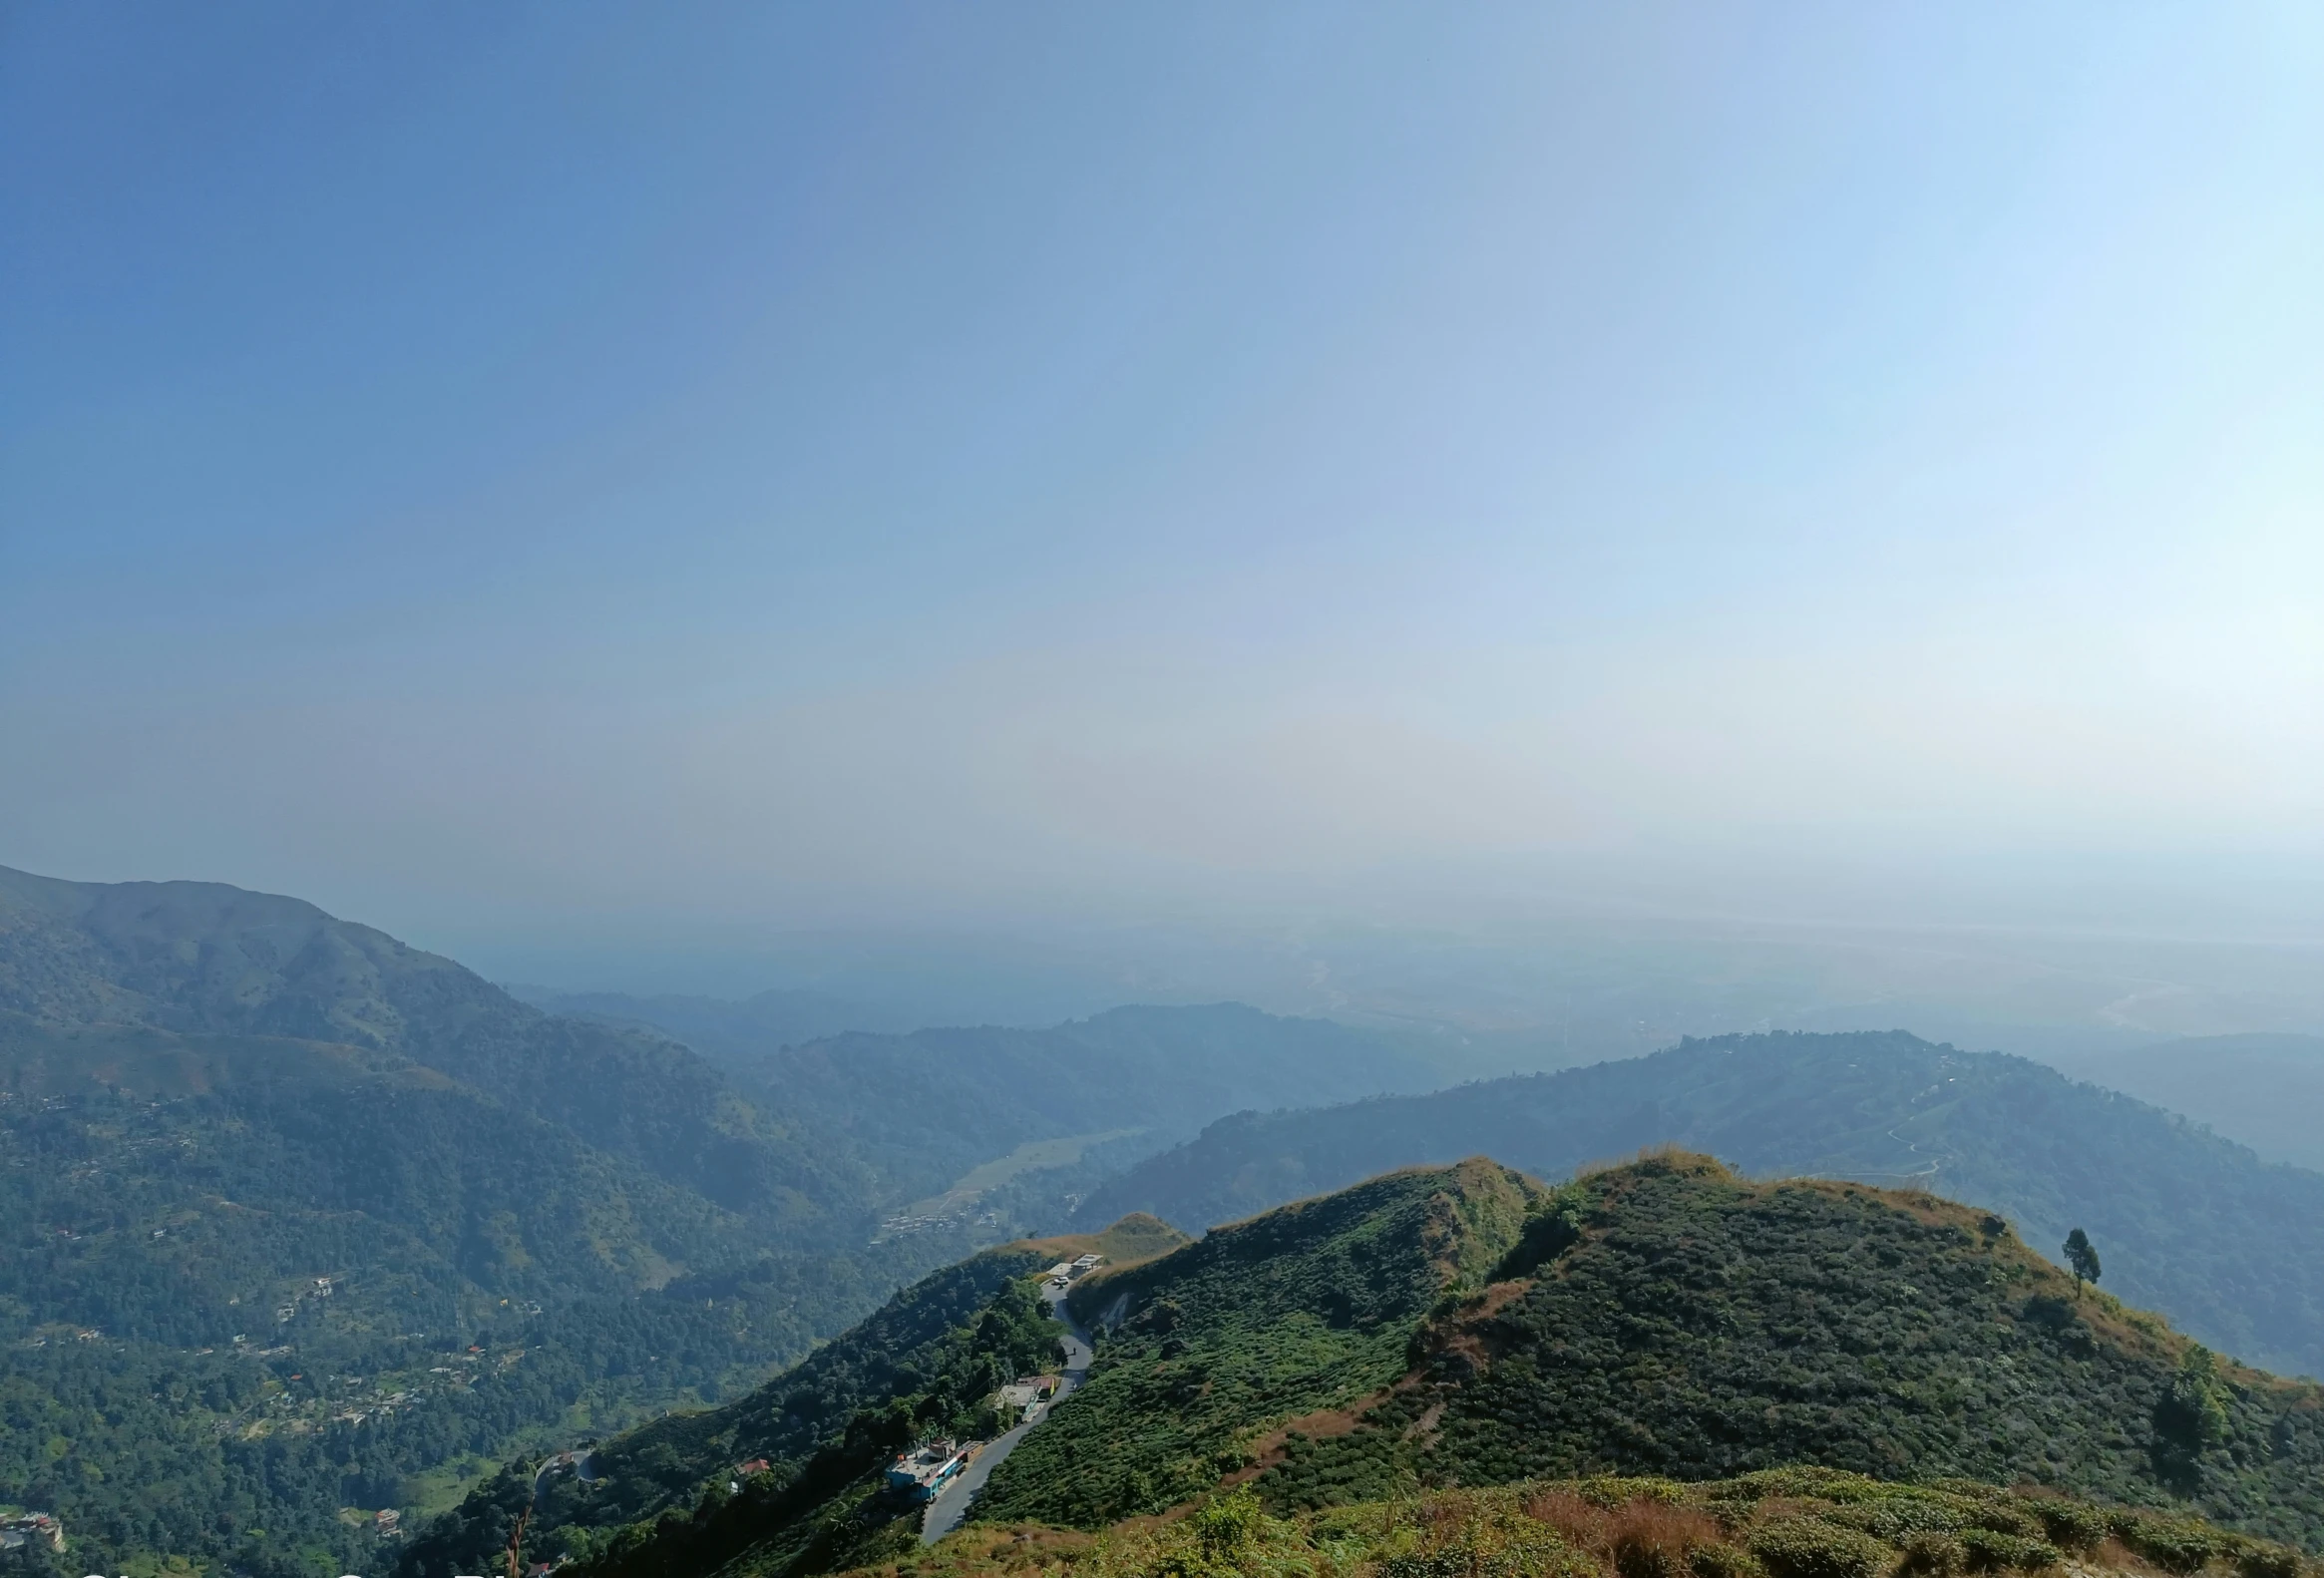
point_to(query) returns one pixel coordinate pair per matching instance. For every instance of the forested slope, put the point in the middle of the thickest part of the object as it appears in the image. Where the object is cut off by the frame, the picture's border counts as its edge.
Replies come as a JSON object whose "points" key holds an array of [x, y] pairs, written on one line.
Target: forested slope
{"points": [[2229, 1247], [658, 1498], [174, 960], [229, 1316], [297, 1223]]}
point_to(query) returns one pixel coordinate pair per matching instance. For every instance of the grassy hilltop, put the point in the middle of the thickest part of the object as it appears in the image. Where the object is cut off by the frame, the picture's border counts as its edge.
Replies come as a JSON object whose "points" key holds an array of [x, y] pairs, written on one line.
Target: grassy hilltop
{"points": [[1669, 1317], [1450, 1330]]}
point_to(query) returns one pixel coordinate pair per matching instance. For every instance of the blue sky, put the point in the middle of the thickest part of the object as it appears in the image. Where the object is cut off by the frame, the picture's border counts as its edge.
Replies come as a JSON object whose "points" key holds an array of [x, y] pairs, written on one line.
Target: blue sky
{"points": [[859, 465]]}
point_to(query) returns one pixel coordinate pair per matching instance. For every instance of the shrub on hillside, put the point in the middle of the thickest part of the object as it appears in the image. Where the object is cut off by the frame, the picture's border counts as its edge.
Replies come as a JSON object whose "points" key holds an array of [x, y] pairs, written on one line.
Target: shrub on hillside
{"points": [[2070, 1526], [1812, 1547], [2264, 1559], [1928, 1555], [1652, 1539], [2176, 1545], [1989, 1551]]}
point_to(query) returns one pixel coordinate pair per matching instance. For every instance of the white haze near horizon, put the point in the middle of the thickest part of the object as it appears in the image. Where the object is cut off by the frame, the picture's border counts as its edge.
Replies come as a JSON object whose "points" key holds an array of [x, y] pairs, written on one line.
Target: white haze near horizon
{"points": [[574, 485]]}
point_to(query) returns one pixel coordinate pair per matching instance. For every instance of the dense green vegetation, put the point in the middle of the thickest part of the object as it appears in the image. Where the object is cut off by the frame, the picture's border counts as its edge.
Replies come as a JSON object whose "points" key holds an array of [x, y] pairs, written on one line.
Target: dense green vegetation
{"points": [[1684, 1322], [669, 1497], [1783, 1523], [211, 1102], [2229, 1248], [1466, 1325], [532, 1227], [160, 988], [1311, 1307], [1664, 1316], [658, 1498], [297, 1223], [176, 1380]]}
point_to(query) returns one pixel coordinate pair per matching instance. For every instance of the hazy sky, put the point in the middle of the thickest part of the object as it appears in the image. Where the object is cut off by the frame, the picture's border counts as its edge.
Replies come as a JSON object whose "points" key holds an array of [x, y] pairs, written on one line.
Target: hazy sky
{"points": [[474, 466]]}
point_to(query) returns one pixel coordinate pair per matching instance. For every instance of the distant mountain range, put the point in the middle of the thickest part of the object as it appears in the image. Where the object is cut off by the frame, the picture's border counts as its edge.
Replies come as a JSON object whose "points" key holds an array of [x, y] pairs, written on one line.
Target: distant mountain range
{"points": [[925, 1107], [2264, 1091], [2231, 1248], [1468, 1326], [728, 1031]]}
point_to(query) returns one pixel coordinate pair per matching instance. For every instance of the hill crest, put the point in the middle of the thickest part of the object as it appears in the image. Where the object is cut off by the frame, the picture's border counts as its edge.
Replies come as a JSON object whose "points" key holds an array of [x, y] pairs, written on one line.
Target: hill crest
{"points": [[1467, 1326], [2231, 1248]]}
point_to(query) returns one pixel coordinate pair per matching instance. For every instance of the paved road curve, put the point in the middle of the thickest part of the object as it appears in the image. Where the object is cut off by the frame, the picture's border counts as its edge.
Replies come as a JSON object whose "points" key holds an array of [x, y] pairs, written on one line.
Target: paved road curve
{"points": [[952, 1503]]}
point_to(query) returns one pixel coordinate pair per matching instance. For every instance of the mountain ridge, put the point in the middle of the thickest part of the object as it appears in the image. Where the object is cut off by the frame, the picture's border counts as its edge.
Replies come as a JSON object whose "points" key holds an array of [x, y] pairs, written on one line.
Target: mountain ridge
{"points": [[2261, 1090], [2230, 1247]]}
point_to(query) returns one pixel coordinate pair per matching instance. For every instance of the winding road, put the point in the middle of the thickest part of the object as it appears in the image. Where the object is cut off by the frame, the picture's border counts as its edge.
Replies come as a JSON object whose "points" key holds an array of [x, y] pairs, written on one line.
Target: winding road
{"points": [[952, 1503]]}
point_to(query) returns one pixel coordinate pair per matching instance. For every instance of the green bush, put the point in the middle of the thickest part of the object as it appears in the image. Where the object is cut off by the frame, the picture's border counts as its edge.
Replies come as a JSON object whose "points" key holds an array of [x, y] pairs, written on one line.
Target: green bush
{"points": [[1453, 1563], [1814, 1549], [1897, 1518], [2069, 1525], [1989, 1551], [1931, 1555], [1615, 1490], [1229, 1527], [1724, 1561], [2260, 1559], [2172, 1544]]}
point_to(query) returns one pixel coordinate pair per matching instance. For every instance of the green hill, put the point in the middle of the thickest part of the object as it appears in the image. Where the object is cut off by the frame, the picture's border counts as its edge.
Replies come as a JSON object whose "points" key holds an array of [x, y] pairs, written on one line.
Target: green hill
{"points": [[1309, 1307], [173, 967], [2229, 1247], [250, 1279], [298, 1223], [1467, 1327], [1668, 1318]]}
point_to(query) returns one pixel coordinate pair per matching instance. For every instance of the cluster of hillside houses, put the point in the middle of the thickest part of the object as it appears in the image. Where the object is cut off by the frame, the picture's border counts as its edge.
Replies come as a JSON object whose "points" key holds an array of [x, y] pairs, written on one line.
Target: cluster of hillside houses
{"points": [[32, 1528], [920, 1474]]}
